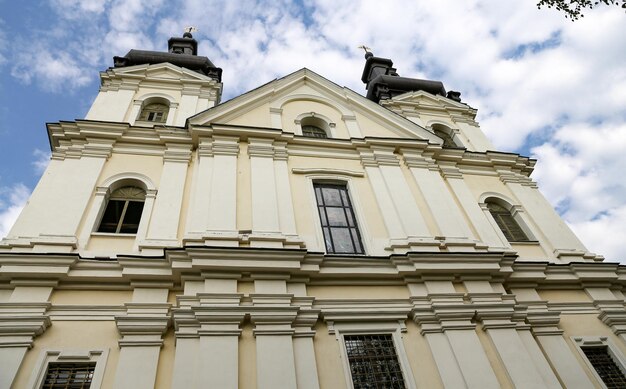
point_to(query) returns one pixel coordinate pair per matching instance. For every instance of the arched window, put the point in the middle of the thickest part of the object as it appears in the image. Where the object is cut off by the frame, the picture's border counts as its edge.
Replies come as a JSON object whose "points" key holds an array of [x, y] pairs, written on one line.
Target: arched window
{"points": [[444, 133], [314, 127], [507, 223], [123, 211], [447, 139], [154, 112]]}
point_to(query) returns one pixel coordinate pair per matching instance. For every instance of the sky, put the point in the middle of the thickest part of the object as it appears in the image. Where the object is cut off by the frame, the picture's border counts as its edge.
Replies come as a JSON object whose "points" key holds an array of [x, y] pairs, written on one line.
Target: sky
{"points": [[544, 86]]}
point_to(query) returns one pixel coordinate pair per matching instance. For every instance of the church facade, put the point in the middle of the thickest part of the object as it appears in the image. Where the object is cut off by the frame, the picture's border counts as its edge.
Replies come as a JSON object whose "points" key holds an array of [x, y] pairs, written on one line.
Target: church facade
{"points": [[300, 235]]}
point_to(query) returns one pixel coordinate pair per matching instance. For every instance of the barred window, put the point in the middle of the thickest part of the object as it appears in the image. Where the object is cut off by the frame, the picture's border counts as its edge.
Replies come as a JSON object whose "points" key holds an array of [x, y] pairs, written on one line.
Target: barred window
{"points": [[373, 362], [341, 233], [313, 132], [69, 376], [509, 226], [123, 211], [605, 366]]}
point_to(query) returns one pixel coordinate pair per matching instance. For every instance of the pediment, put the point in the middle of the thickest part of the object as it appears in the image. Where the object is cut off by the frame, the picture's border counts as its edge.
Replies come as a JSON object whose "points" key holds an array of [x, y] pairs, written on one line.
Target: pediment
{"points": [[280, 103], [158, 71], [425, 99]]}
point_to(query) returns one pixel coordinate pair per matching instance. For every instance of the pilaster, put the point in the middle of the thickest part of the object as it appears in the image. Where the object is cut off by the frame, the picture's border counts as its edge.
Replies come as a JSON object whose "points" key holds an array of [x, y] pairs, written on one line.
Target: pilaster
{"points": [[273, 222], [405, 224], [547, 334], [446, 322], [141, 329], [205, 322], [163, 229], [22, 318], [451, 223]]}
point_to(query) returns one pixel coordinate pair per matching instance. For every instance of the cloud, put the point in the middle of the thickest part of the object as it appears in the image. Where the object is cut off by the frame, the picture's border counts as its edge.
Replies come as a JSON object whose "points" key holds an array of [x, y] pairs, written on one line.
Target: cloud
{"points": [[42, 159], [52, 71], [12, 200], [73, 9], [579, 170]]}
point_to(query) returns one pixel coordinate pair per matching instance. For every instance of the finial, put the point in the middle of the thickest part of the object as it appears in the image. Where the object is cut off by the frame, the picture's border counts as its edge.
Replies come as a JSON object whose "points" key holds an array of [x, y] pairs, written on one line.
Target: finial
{"points": [[368, 52], [188, 31]]}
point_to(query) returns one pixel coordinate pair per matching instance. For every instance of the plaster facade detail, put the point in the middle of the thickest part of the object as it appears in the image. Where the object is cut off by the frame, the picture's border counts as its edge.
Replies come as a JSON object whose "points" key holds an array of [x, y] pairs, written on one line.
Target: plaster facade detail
{"points": [[227, 279]]}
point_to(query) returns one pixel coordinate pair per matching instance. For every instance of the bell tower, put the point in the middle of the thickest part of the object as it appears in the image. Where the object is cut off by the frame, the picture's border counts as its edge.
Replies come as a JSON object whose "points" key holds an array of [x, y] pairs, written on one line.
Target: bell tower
{"points": [[179, 83]]}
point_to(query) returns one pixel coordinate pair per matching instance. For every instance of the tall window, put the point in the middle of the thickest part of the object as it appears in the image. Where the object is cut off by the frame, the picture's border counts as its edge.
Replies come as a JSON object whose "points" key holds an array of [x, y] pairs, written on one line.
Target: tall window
{"points": [[154, 112], [123, 211], [69, 376], [373, 361], [509, 226], [608, 370], [341, 233]]}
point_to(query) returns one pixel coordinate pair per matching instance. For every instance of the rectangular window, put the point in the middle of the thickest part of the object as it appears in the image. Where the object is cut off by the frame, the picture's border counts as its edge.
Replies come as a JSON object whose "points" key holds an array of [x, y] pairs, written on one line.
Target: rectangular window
{"points": [[341, 233], [69, 375], [373, 361], [605, 366]]}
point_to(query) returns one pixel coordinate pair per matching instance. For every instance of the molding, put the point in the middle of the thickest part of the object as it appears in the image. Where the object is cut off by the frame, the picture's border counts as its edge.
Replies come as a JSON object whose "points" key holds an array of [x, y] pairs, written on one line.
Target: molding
{"points": [[327, 171], [99, 356]]}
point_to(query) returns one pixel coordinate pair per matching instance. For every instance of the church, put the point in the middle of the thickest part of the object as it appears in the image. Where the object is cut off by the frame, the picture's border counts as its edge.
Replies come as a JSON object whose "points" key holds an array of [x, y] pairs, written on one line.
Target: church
{"points": [[300, 236]]}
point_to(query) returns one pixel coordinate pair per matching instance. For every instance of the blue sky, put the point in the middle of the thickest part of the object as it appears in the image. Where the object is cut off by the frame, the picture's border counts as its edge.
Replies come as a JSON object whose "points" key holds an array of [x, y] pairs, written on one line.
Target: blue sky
{"points": [[544, 86]]}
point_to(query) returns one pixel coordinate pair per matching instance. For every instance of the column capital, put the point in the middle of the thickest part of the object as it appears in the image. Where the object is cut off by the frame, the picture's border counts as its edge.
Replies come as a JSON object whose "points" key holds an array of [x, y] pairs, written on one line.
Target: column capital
{"points": [[32, 322]]}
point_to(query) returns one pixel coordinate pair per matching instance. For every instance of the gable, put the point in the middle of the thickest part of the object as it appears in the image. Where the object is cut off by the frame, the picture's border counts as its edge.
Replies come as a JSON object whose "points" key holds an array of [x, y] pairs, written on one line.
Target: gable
{"points": [[284, 103], [162, 70]]}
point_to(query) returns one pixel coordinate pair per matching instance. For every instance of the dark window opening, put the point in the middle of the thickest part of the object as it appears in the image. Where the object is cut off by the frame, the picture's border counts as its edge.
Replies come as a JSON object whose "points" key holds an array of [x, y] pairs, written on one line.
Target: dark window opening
{"points": [[69, 376], [341, 233], [447, 138], [123, 211], [373, 362], [606, 367], [510, 228]]}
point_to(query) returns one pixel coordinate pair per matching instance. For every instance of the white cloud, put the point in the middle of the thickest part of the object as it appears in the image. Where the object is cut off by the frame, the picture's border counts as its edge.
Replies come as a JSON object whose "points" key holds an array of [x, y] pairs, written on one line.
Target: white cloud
{"points": [[12, 200], [42, 159], [72, 9], [580, 172], [53, 71]]}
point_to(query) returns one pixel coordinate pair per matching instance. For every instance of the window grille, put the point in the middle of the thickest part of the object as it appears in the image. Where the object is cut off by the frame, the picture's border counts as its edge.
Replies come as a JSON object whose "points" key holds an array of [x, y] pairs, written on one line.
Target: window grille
{"points": [[610, 373], [69, 376], [373, 362], [510, 228], [123, 211], [156, 112], [313, 132], [341, 233]]}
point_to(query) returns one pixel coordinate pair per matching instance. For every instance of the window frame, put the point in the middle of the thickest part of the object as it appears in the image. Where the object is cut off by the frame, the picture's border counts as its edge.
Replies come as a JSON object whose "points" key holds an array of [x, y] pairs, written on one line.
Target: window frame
{"points": [[394, 329], [47, 356], [316, 120], [144, 113], [353, 208], [313, 130], [582, 342], [498, 216], [516, 212], [126, 200]]}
